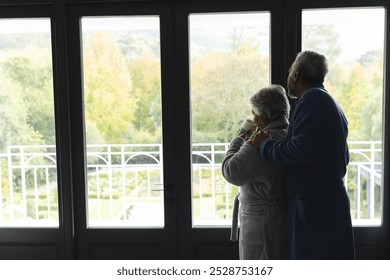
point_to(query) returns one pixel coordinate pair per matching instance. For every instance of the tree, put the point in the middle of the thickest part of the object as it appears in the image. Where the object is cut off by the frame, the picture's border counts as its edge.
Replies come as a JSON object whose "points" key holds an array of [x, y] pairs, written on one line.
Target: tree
{"points": [[133, 46], [323, 39], [145, 73], [371, 112], [109, 107], [30, 73], [358, 87], [221, 84], [14, 126], [353, 99]]}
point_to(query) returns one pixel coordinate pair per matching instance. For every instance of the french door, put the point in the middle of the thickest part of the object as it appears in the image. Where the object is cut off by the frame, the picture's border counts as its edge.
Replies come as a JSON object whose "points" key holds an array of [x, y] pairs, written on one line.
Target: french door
{"points": [[124, 151], [143, 187], [33, 168]]}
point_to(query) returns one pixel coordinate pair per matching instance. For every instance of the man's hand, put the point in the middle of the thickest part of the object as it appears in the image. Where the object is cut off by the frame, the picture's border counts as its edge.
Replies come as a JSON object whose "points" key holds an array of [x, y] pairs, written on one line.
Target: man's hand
{"points": [[257, 138], [245, 135]]}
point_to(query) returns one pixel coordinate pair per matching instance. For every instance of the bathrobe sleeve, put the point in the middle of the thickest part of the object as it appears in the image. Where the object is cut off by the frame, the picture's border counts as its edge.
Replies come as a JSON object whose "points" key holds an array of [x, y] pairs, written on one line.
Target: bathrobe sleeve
{"points": [[239, 165], [305, 135]]}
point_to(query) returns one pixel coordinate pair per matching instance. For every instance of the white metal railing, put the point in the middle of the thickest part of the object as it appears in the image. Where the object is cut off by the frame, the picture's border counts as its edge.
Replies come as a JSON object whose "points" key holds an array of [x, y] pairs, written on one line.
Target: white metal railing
{"points": [[364, 180], [123, 179], [28, 185]]}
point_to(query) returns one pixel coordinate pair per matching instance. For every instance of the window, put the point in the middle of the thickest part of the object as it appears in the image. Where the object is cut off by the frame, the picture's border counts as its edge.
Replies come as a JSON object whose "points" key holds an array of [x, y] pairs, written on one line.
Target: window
{"points": [[28, 171], [353, 42], [122, 108], [229, 61]]}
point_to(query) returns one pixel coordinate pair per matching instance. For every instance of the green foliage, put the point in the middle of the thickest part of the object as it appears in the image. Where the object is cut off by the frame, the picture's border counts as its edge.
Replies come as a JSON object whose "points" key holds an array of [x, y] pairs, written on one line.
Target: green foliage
{"points": [[357, 86], [318, 38], [145, 73], [26, 97], [107, 86], [359, 90], [29, 73], [221, 84], [122, 91], [133, 46], [15, 128]]}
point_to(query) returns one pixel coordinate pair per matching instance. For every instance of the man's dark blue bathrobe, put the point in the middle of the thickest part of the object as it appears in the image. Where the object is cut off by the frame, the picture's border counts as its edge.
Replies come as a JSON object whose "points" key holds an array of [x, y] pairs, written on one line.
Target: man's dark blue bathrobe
{"points": [[315, 155]]}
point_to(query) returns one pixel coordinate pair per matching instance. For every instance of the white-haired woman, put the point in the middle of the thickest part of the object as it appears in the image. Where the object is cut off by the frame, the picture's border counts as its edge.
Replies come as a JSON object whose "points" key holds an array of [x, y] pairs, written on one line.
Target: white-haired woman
{"points": [[262, 197]]}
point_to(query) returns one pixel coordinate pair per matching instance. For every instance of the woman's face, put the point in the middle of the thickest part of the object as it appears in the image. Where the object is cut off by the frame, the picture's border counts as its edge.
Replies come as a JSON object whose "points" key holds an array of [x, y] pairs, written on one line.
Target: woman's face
{"points": [[260, 122]]}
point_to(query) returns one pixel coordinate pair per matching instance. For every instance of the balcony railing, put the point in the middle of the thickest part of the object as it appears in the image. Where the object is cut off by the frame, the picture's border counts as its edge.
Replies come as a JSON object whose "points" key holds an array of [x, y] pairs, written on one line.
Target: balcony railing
{"points": [[124, 180]]}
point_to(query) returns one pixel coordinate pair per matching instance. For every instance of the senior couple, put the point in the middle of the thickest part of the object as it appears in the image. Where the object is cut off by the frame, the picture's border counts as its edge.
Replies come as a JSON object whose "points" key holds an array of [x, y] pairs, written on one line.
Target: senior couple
{"points": [[293, 203]]}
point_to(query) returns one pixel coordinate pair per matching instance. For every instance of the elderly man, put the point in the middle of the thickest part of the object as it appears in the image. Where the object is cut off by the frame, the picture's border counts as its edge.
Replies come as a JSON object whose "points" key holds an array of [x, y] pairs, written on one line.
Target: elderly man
{"points": [[315, 155]]}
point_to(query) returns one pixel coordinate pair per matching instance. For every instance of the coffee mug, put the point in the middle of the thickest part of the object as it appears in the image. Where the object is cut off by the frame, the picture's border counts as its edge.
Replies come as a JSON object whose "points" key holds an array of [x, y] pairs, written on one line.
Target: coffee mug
{"points": [[247, 126]]}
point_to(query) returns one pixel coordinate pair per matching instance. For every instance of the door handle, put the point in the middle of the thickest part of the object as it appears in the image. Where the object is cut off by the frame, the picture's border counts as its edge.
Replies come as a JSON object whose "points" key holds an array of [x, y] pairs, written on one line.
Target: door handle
{"points": [[168, 187]]}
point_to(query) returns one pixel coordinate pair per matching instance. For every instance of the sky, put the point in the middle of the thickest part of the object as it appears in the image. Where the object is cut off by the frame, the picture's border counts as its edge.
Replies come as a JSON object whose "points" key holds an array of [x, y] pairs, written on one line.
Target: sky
{"points": [[360, 29], [9, 26]]}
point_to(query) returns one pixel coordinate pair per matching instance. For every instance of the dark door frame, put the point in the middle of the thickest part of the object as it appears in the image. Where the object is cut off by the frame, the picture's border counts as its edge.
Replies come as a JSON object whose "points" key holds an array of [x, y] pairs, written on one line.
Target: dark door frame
{"points": [[129, 243]]}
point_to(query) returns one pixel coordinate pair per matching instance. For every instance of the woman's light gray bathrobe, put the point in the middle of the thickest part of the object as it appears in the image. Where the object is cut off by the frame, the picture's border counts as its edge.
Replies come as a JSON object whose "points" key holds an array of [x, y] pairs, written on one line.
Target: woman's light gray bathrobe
{"points": [[262, 198]]}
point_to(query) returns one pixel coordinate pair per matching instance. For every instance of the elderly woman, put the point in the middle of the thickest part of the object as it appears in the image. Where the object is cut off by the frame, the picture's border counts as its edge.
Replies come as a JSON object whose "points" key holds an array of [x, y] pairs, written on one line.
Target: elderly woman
{"points": [[262, 197]]}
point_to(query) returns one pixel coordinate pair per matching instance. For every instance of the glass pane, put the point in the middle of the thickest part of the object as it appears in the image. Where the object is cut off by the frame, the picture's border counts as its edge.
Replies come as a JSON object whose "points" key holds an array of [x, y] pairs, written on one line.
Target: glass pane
{"points": [[28, 171], [353, 42], [122, 107], [229, 62]]}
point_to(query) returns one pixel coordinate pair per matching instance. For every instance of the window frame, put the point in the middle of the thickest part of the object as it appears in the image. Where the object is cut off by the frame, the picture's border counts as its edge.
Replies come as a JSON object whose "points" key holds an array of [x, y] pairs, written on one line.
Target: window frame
{"points": [[207, 241], [57, 240], [285, 43]]}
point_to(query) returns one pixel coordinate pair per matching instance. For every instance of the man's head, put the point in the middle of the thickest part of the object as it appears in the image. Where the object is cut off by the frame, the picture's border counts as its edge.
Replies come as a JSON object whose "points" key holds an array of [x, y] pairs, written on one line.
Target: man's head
{"points": [[308, 69]]}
